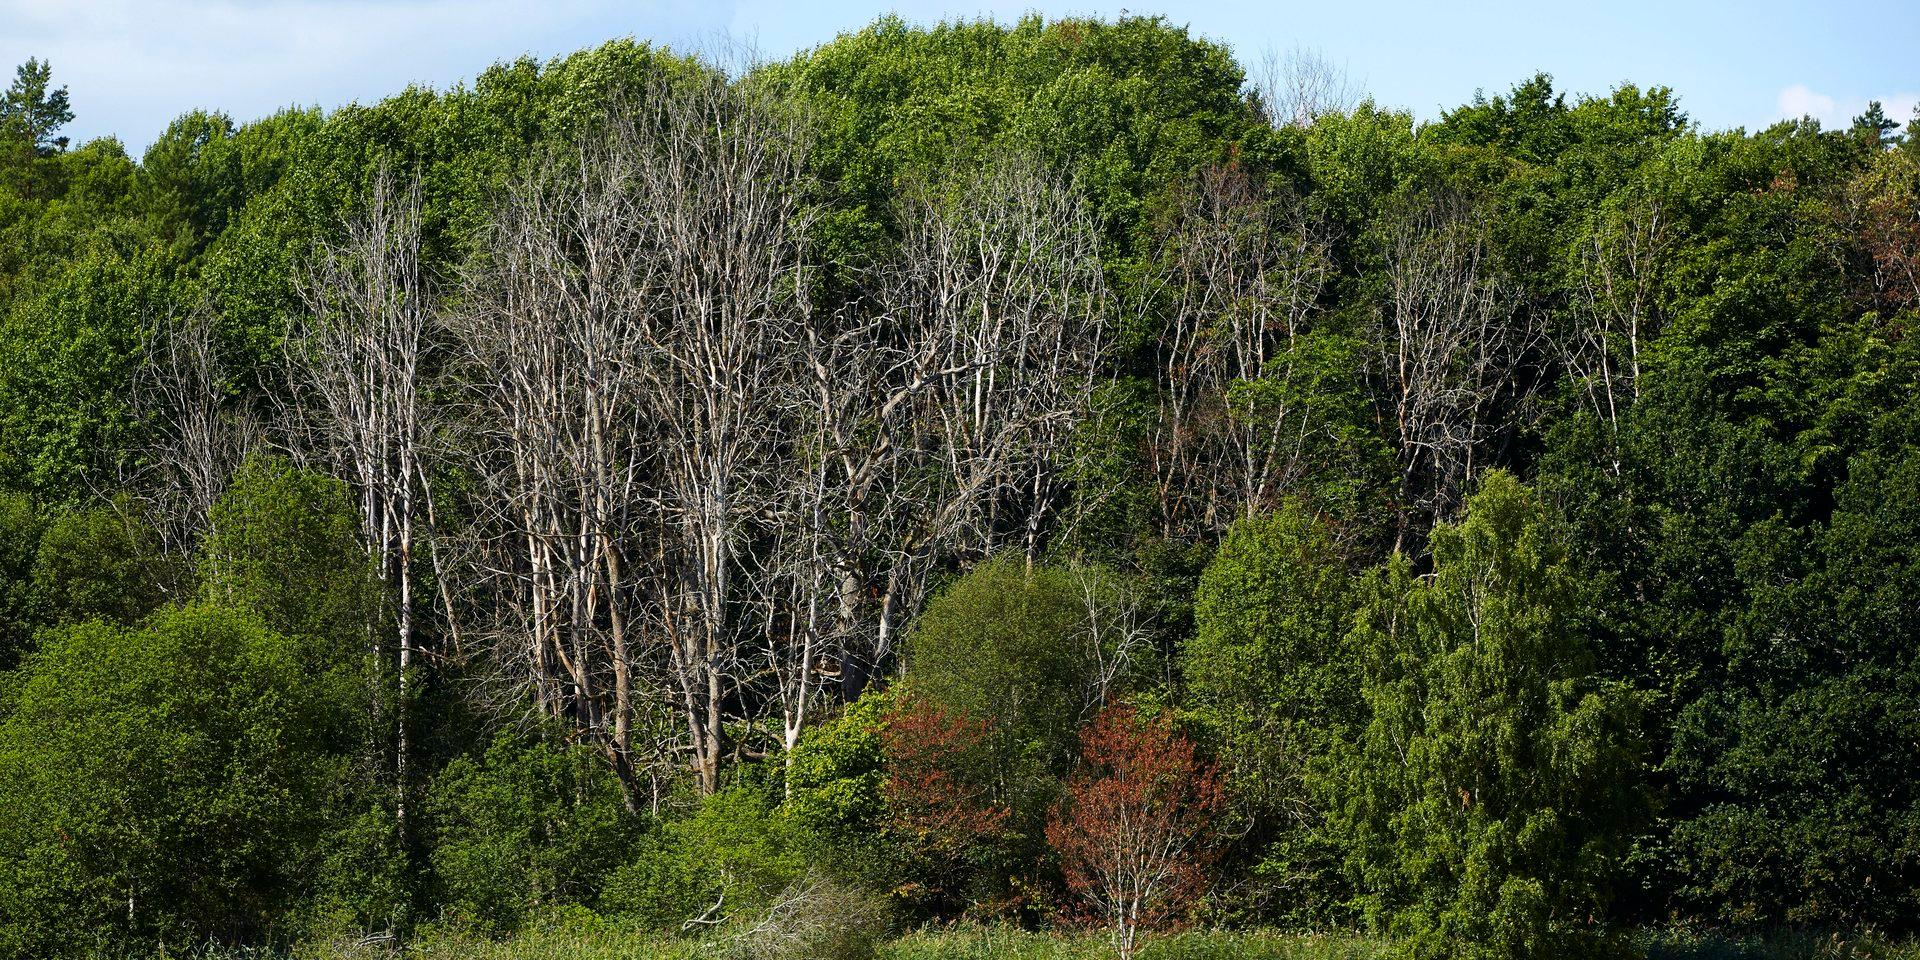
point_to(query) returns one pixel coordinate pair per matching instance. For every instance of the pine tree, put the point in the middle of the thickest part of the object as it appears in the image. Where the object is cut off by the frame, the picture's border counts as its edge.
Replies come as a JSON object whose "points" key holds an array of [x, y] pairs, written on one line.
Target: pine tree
{"points": [[36, 109]]}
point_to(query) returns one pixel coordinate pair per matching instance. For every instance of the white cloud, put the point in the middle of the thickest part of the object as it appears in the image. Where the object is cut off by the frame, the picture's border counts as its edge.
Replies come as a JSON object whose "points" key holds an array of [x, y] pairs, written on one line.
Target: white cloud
{"points": [[1800, 101]]}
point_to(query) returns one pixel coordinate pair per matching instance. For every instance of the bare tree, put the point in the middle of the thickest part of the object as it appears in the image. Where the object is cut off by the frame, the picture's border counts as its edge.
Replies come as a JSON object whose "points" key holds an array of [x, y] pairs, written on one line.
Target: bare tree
{"points": [[200, 431], [1451, 341], [716, 195], [1620, 263], [1301, 85], [360, 354], [941, 417], [629, 334], [1241, 276], [554, 343]]}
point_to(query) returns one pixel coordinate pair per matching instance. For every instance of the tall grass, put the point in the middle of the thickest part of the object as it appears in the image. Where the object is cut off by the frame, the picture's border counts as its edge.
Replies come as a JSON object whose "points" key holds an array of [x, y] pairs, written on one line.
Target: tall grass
{"points": [[605, 941]]}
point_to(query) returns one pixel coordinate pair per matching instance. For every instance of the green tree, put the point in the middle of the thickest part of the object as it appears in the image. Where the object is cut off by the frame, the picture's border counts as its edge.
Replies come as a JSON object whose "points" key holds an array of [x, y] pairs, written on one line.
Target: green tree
{"points": [[100, 563], [1009, 646], [35, 108], [160, 785], [68, 358], [1495, 786], [527, 824], [21, 524], [285, 543], [1270, 677]]}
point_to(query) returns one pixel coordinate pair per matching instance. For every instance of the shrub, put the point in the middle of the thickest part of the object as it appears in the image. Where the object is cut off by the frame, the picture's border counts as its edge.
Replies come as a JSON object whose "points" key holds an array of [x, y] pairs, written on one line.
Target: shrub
{"points": [[527, 824], [813, 918], [730, 859], [1134, 832], [159, 785]]}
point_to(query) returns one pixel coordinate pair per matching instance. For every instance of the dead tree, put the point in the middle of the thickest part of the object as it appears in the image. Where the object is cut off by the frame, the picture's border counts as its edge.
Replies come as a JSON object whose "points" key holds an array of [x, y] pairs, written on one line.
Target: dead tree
{"points": [[553, 343], [1300, 85], [941, 414], [1241, 275], [628, 338], [200, 431], [1450, 342], [715, 194], [1620, 263], [360, 357]]}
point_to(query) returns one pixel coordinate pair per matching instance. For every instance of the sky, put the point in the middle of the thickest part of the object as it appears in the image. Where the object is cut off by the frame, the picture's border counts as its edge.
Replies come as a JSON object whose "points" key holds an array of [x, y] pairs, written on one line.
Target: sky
{"points": [[133, 65]]}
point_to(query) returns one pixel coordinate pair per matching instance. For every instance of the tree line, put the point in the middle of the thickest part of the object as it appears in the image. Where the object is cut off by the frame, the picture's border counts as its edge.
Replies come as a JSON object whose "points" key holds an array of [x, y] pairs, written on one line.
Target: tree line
{"points": [[1033, 473]]}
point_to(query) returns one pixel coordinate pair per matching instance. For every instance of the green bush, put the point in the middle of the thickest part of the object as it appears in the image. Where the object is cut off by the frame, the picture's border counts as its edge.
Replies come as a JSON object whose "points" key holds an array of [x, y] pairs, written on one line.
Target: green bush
{"points": [[159, 785], [1010, 646], [730, 858], [100, 563], [1273, 683], [836, 781], [528, 824]]}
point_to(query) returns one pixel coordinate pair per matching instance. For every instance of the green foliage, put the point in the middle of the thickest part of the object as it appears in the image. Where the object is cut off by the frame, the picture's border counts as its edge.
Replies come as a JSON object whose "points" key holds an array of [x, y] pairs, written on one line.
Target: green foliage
{"points": [[1271, 678], [732, 857], [285, 544], [1492, 791], [836, 781], [1715, 401], [100, 563], [1011, 647], [67, 362], [159, 785], [525, 826], [21, 524]]}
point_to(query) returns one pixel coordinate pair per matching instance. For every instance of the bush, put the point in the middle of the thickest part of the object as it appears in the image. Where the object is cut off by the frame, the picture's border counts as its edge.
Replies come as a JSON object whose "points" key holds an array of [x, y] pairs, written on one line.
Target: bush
{"points": [[731, 858], [1009, 646], [97, 563], [813, 918], [159, 785], [526, 825]]}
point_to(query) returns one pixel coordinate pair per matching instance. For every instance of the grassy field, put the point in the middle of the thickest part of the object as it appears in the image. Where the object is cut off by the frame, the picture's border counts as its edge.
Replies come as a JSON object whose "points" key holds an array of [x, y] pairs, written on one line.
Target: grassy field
{"points": [[996, 943]]}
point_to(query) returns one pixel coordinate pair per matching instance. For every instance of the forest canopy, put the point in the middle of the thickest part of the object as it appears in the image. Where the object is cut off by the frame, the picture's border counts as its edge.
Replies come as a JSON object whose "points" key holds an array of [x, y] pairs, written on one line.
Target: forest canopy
{"points": [[1031, 474]]}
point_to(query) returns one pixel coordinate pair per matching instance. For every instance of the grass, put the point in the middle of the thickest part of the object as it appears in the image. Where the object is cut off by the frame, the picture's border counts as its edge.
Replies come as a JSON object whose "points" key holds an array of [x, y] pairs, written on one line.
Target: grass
{"points": [[1698, 945], [998, 943], [604, 941]]}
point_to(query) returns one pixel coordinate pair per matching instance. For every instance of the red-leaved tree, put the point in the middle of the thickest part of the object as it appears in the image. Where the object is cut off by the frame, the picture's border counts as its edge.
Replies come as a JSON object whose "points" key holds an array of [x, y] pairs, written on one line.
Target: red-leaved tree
{"points": [[940, 796], [1134, 830]]}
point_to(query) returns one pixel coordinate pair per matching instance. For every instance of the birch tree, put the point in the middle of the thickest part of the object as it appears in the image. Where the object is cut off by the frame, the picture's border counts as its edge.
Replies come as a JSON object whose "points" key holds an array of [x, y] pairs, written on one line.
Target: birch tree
{"points": [[1450, 342], [360, 355], [1242, 274]]}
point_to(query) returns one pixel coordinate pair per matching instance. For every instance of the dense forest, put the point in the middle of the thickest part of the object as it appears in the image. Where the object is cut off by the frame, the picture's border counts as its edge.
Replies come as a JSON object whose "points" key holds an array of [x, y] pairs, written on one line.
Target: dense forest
{"points": [[1041, 476]]}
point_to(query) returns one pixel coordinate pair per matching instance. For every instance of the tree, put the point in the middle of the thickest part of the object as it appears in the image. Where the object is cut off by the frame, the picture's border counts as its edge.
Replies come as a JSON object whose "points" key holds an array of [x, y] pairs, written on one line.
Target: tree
{"points": [[629, 336], [69, 358], [1496, 784], [33, 108], [939, 423], [364, 352], [1271, 678], [524, 824], [1450, 341], [1004, 645], [100, 563], [161, 785], [945, 802], [285, 545], [1238, 423], [1876, 128], [1134, 831], [21, 525]]}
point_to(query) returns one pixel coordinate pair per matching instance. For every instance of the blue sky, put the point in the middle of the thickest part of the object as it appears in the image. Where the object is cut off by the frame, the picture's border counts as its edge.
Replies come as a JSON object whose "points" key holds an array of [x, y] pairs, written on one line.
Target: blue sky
{"points": [[132, 65]]}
